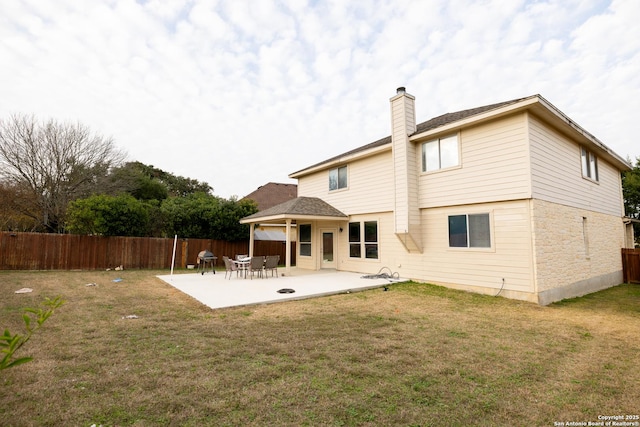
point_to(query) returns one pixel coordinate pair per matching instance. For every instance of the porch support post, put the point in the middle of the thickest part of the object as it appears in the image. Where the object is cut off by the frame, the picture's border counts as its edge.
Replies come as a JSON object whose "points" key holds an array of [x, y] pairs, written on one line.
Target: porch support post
{"points": [[287, 261], [250, 239]]}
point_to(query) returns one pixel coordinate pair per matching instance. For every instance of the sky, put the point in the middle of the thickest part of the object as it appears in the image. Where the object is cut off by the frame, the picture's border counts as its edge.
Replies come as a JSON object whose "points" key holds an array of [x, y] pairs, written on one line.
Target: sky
{"points": [[240, 93]]}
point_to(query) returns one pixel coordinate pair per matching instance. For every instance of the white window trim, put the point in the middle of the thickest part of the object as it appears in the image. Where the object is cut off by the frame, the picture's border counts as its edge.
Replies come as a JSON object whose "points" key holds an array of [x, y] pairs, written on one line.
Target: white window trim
{"points": [[300, 242], [362, 243], [589, 153], [337, 169], [423, 170], [492, 229], [585, 237]]}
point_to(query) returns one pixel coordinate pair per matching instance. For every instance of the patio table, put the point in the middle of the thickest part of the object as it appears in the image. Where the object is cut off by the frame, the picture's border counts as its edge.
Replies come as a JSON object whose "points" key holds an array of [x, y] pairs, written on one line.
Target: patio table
{"points": [[242, 264]]}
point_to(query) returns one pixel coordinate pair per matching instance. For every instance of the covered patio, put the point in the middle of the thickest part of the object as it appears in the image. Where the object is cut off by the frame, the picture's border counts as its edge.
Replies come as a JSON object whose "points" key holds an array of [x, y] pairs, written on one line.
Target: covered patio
{"points": [[318, 275], [216, 291], [290, 212]]}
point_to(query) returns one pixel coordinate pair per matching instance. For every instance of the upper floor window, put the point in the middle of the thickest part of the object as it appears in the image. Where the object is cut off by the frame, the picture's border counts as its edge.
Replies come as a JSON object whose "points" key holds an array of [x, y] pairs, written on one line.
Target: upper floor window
{"points": [[440, 153], [338, 178], [470, 231], [589, 164]]}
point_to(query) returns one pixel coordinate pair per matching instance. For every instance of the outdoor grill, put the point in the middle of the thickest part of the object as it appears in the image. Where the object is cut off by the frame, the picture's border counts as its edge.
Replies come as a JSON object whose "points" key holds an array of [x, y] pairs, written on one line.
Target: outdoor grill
{"points": [[206, 257]]}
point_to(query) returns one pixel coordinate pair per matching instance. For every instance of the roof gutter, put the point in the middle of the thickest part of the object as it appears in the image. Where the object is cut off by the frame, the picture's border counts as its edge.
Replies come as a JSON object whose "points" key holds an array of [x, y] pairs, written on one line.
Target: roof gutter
{"points": [[489, 114], [340, 160], [297, 217], [612, 156], [546, 110]]}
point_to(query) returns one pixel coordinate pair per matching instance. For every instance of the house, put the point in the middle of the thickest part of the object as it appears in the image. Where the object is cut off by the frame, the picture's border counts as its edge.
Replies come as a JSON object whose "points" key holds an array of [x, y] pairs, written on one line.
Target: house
{"points": [[267, 196], [271, 194], [512, 199]]}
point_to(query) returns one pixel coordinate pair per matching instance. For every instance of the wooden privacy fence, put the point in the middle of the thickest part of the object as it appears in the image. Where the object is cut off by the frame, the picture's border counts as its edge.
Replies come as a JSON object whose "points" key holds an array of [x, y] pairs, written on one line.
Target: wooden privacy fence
{"points": [[631, 265], [39, 251]]}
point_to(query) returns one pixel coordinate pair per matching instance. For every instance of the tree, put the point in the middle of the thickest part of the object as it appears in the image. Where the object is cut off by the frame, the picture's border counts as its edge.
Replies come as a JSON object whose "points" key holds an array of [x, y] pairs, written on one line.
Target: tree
{"points": [[227, 224], [205, 216], [179, 186], [133, 178], [106, 215], [49, 164], [631, 195], [190, 216], [146, 182], [10, 218]]}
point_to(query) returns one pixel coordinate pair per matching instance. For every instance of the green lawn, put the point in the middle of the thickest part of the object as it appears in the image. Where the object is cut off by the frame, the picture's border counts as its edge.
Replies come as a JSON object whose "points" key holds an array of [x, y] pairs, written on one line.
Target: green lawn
{"points": [[414, 355]]}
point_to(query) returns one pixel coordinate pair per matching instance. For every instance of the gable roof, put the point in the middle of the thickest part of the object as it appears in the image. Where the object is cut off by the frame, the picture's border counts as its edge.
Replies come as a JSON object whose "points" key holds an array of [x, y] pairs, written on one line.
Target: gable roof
{"points": [[433, 123], [537, 102], [298, 208], [448, 118], [271, 194]]}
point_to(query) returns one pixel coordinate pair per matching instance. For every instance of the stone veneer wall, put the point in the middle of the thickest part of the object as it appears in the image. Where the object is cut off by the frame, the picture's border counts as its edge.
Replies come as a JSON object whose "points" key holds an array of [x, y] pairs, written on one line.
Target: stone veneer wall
{"points": [[565, 266]]}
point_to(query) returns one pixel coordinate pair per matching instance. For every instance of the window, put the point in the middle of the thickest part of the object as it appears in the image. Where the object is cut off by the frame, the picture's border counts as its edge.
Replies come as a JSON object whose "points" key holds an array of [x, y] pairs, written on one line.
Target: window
{"points": [[585, 237], [338, 178], [355, 249], [469, 231], [440, 153], [368, 229], [589, 164], [305, 240], [371, 239]]}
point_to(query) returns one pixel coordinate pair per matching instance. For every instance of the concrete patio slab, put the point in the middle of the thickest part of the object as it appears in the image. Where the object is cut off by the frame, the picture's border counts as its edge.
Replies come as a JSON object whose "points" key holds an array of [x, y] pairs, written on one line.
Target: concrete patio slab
{"points": [[215, 291]]}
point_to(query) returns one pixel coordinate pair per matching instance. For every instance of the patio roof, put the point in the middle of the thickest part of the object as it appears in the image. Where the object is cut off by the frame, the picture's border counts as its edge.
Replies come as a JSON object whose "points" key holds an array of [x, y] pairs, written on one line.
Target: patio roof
{"points": [[295, 209], [298, 209]]}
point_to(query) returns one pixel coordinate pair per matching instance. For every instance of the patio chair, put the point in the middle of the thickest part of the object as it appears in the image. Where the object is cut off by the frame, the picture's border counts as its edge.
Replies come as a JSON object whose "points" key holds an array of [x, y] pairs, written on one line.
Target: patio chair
{"points": [[256, 266], [230, 267], [271, 263]]}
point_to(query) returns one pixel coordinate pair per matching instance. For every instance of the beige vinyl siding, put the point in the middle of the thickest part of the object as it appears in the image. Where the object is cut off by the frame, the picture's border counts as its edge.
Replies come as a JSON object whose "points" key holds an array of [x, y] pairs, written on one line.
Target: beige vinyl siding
{"points": [[403, 114], [510, 256], [308, 262], [405, 164], [386, 242], [370, 186], [494, 167], [557, 174]]}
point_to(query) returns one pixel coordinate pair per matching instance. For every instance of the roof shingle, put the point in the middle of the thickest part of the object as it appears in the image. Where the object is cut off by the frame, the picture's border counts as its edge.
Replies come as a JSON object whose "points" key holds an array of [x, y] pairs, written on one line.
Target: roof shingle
{"points": [[302, 206], [430, 124], [271, 194]]}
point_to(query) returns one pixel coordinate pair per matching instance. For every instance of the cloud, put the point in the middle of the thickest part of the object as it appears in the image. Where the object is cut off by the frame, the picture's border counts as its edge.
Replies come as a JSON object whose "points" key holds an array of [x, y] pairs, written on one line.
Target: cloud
{"points": [[240, 93]]}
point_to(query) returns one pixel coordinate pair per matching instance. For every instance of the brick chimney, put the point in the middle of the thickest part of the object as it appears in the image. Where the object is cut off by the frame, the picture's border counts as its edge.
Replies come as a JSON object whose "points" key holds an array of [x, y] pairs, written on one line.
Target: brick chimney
{"points": [[405, 169]]}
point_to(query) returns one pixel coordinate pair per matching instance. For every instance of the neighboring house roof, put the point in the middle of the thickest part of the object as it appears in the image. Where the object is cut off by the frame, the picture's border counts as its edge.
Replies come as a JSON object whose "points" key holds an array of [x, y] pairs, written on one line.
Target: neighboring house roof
{"points": [[535, 102], [300, 207], [271, 194]]}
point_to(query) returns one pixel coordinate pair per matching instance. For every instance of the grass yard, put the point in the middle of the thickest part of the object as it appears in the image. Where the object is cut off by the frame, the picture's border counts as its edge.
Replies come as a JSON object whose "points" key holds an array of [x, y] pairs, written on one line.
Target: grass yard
{"points": [[417, 355]]}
